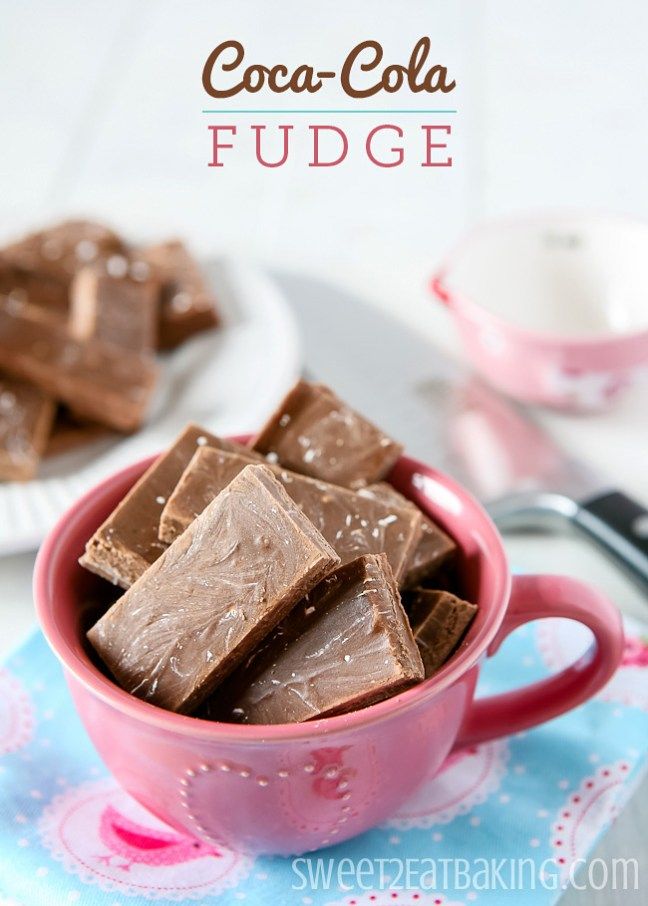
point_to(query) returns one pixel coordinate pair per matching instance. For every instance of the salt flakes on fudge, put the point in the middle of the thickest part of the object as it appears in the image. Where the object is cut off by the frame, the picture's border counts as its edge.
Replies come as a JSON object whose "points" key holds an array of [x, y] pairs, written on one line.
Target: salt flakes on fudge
{"points": [[269, 590], [351, 523], [345, 646], [26, 416], [127, 543], [222, 586], [82, 314], [314, 432]]}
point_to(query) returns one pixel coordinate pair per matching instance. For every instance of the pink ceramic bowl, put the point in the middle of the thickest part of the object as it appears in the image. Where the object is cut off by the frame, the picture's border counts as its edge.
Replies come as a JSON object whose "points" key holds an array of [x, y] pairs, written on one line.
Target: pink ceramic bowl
{"points": [[552, 309], [291, 788]]}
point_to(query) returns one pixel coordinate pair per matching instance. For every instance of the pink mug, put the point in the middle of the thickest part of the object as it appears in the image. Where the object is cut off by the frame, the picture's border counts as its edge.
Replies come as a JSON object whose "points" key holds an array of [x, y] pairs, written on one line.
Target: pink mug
{"points": [[550, 308], [290, 788]]}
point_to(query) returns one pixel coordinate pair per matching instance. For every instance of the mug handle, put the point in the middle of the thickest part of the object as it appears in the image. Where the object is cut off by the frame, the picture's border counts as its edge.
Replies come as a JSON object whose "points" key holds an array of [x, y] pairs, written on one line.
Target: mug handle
{"points": [[533, 598]]}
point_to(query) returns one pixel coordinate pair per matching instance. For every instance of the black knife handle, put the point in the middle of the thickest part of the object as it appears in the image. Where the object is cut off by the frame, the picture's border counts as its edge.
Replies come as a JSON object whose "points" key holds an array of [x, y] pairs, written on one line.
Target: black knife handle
{"points": [[620, 525]]}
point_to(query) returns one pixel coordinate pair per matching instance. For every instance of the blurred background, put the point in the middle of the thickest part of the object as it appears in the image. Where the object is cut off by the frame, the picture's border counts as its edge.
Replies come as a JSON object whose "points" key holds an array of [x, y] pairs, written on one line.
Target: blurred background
{"points": [[101, 116], [102, 104]]}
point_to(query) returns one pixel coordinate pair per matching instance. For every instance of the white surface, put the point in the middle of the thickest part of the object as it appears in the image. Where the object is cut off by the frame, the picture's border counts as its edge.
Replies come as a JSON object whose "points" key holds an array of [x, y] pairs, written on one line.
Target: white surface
{"points": [[227, 380]]}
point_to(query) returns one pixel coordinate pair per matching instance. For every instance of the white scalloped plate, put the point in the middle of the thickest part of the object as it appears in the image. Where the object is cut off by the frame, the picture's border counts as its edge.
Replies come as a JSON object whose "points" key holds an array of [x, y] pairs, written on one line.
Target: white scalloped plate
{"points": [[228, 380]]}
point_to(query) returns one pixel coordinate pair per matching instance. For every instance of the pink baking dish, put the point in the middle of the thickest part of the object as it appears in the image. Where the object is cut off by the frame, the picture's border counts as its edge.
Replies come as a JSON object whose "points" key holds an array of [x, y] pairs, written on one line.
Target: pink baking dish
{"points": [[552, 309], [291, 788]]}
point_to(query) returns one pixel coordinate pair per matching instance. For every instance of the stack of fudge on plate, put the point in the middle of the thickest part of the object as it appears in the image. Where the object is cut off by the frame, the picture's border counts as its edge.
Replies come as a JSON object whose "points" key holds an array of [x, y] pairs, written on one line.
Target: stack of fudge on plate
{"points": [[82, 314], [279, 581]]}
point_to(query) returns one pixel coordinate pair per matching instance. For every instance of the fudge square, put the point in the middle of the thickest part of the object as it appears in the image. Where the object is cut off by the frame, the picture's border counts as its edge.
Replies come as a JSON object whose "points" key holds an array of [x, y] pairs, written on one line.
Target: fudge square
{"points": [[127, 542], [23, 286], [210, 599], [345, 646], [97, 380], [26, 416], [187, 305], [116, 304], [314, 432], [58, 251], [434, 547], [353, 524], [69, 433], [439, 621]]}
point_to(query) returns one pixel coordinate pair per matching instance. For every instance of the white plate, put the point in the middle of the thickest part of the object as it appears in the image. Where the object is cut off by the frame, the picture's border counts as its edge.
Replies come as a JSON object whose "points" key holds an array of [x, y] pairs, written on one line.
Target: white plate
{"points": [[227, 380]]}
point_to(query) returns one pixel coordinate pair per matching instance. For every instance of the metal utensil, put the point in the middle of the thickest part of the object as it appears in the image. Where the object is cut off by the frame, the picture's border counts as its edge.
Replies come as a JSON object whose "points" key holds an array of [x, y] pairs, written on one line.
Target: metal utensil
{"points": [[449, 418]]}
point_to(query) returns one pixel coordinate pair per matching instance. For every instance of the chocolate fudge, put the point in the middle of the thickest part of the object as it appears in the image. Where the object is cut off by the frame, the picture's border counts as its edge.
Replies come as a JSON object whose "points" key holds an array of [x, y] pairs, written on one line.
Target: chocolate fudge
{"points": [[68, 434], [98, 381], [127, 543], [187, 305], [48, 296], [434, 547], [116, 301], [80, 313], [58, 251], [345, 646], [209, 600], [316, 433], [26, 416], [439, 621], [353, 524]]}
